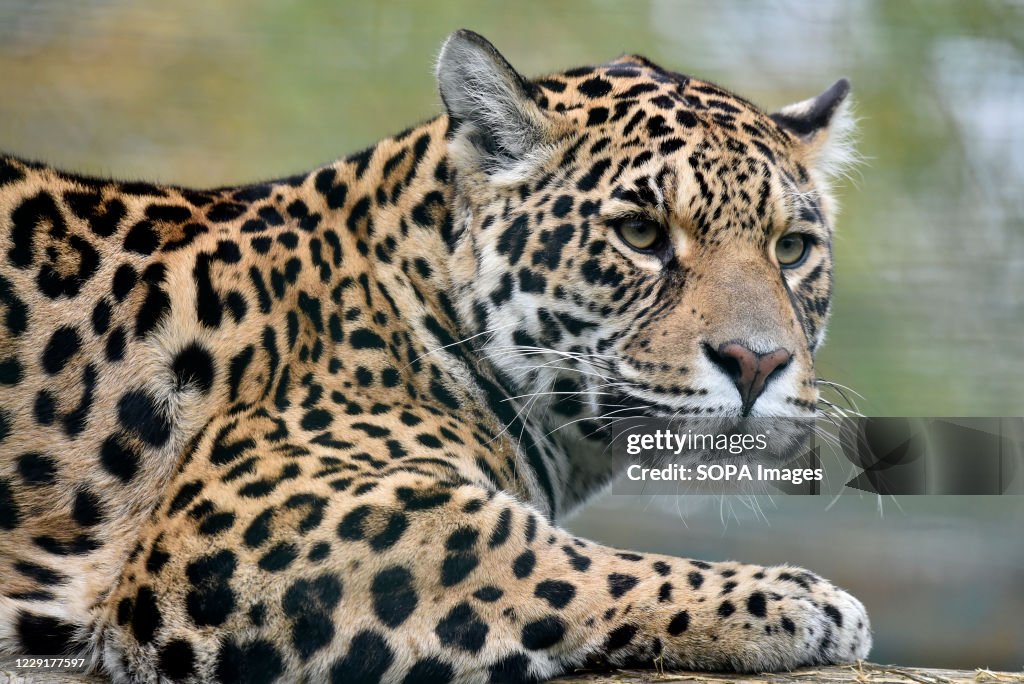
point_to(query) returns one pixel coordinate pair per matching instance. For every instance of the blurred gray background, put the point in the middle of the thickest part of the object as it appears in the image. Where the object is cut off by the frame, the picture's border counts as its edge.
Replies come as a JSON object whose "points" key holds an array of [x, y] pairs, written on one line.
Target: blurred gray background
{"points": [[929, 306]]}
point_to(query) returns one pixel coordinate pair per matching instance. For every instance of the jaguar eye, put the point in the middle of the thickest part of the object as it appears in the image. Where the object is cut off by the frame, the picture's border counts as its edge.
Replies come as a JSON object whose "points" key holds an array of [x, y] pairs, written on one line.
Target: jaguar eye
{"points": [[791, 250], [641, 234]]}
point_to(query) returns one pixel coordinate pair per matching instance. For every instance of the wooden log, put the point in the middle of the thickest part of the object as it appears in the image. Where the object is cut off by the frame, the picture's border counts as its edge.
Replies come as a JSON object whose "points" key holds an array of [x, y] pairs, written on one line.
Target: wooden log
{"points": [[864, 673]]}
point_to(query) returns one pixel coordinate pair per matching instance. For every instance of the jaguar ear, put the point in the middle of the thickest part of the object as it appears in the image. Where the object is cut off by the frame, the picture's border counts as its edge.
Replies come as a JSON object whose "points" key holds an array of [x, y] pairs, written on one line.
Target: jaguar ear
{"points": [[825, 125], [489, 105]]}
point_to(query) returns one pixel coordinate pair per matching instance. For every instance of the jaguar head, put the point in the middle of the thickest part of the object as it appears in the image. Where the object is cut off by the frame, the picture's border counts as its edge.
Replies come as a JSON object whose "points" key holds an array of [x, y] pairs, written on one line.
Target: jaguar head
{"points": [[633, 239]]}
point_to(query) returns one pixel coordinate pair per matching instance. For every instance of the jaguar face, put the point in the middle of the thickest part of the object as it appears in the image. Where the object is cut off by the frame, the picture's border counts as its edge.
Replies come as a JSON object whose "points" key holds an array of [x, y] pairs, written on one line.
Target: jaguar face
{"points": [[641, 241]]}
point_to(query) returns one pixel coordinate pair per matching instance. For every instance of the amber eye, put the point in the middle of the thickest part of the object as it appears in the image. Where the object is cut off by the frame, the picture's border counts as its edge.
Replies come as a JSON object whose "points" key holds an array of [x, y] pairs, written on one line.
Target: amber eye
{"points": [[640, 233], [791, 250]]}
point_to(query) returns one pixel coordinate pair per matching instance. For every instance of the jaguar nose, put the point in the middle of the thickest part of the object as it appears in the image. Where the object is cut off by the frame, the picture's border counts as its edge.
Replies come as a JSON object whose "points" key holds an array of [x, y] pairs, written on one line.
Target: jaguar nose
{"points": [[748, 370]]}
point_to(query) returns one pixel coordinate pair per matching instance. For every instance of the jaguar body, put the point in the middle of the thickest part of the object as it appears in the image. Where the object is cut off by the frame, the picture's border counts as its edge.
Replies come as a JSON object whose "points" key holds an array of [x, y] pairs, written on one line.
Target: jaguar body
{"points": [[325, 427]]}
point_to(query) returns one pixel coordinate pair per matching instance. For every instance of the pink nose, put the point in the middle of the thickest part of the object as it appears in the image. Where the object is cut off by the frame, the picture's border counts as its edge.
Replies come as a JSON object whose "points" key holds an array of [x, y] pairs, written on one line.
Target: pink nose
{"points": [[748, 370]]}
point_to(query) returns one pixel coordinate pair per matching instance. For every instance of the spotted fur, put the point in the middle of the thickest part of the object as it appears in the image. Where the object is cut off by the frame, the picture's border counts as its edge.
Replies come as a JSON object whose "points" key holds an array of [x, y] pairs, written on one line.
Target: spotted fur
{"points": [[324, 427]]}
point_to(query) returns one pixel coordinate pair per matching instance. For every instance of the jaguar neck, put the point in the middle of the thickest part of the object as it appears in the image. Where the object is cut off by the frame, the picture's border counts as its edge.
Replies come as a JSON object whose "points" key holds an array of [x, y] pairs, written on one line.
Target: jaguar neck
{"points": [[402, 233], [393, 204]]}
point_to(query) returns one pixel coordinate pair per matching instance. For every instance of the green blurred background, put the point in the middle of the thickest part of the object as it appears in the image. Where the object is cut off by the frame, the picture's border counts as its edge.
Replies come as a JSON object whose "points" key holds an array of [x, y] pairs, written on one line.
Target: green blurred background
{"points": [[929, 305]]}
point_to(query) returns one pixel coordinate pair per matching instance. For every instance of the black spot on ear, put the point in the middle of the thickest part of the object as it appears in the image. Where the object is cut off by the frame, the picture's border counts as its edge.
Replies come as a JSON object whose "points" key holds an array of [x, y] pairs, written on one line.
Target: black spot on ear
{"points": [[177, 660], [818, 115], [368, 658]]}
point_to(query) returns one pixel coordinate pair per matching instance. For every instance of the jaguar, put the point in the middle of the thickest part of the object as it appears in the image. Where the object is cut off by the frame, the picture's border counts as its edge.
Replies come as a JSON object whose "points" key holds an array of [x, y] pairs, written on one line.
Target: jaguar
{"points": [[325, 427]]}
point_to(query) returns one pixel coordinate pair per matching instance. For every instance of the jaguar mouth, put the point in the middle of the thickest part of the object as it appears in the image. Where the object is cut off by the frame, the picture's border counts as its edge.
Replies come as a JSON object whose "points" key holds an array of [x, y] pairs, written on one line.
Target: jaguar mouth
{"points": [[625, 405], [628, 406]]}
